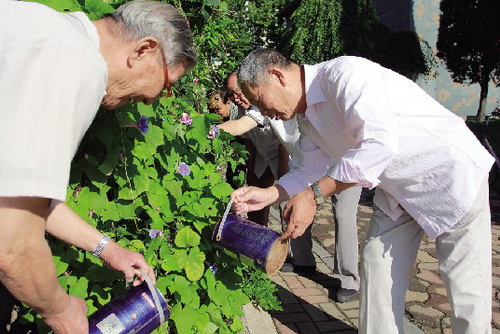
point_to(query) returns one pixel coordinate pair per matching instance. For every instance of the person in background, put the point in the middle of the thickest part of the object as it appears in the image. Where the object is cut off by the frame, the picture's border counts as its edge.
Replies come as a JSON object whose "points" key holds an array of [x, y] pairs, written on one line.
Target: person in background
{"points": [[263, 146], [57, 69], [364, 125], [220, 104]]}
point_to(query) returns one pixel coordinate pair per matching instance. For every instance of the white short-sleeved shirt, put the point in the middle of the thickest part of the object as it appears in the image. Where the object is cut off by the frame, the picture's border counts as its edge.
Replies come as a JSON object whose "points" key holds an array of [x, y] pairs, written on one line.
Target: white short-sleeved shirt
{"points": [[52, 81], [368, 125]]}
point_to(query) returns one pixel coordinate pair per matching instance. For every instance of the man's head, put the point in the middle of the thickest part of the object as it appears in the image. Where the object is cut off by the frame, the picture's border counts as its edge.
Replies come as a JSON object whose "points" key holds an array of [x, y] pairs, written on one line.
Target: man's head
{"points": [[234, 91], [219, 103], [148, 46], [273, 83]]}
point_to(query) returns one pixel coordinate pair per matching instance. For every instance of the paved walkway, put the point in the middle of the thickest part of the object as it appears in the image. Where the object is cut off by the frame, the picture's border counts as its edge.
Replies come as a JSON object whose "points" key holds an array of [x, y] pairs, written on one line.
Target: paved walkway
{"points": [[308, 305]]}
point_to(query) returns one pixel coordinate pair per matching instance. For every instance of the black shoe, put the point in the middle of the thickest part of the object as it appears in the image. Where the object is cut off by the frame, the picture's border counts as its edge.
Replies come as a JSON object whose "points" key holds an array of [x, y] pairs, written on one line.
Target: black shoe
{"points": [[287, 267], [346, 295]]}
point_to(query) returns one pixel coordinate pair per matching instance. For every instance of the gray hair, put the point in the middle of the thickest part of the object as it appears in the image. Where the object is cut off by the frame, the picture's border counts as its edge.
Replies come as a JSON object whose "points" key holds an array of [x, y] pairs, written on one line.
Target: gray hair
{"points": [[255, 65], [162, 21]]}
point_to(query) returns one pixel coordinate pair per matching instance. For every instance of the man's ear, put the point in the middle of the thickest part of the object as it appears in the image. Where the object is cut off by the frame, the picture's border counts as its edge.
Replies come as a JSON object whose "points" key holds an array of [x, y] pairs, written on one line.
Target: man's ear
{"points": [[143, 48], [277, 74]]}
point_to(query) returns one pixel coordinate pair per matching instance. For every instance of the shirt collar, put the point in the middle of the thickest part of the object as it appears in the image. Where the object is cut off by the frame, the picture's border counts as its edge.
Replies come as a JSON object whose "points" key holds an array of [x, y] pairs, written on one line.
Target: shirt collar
{"points": [[314, 91]]}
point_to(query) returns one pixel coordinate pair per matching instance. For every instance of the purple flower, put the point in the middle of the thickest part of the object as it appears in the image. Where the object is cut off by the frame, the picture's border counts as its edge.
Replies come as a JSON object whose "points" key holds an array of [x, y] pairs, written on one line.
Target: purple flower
{"points": [[214, 131], [213, 269], [185, 119], [215, 128], [143, 124], [196, 80], [155, 233], [211, 134], [183, 169]]}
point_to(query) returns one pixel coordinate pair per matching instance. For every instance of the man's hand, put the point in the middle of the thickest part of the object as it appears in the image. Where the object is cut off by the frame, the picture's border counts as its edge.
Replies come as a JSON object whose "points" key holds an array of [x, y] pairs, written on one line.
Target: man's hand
{"points": [[299, 213], [247, 199], [128, 262], [71, 319]]}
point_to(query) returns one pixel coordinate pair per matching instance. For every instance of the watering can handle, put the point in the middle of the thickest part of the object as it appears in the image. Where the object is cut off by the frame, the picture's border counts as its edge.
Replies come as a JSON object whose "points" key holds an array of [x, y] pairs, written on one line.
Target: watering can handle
{"points": [[223, 220], [154, 293]]}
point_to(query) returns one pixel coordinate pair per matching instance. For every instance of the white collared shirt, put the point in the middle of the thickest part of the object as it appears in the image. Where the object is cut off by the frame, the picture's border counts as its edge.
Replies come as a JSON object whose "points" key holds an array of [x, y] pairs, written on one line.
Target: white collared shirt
{"points": [[368, 125], [52, 81]]}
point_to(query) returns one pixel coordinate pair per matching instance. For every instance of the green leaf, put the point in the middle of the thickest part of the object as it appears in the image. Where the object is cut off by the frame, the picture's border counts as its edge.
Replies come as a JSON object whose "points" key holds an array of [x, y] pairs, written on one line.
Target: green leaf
{"points": [[141, 151], [154, 138], [146, 110], [183, 318], [109, 163], [60, 265], [192, 263], [223, 5], [79, 289], [141, 183], [138, 245], [187, 291], [222, 189], [174, 188], [186, 237]]}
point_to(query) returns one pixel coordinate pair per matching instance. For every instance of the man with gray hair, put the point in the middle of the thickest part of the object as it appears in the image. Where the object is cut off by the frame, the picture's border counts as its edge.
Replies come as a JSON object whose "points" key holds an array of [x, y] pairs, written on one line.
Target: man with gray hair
{"points": [[57, 69], [363, 124]]}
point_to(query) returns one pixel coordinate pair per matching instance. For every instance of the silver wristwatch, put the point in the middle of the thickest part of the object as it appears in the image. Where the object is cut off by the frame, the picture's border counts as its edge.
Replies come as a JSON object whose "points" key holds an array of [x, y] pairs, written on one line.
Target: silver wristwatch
{"points": [[318, 195], [98, 250]]}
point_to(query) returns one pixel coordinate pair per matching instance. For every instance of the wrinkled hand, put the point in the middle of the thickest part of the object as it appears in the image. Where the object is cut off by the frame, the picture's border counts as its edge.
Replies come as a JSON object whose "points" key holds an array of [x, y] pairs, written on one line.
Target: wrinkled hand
{"points": [[247, 199], [128, 262], [299, 214], [72, 319]]}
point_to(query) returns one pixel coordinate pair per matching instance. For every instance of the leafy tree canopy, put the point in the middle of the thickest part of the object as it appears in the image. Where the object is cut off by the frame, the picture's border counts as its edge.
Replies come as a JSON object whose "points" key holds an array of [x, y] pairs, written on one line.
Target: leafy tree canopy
{"points": [[469, 43]]}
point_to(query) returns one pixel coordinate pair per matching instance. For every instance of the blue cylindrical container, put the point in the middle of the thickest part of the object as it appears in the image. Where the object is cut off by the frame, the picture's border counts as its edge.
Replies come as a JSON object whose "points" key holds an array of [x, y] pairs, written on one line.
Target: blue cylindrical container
{"points": [[260, 246], [134, 312]]}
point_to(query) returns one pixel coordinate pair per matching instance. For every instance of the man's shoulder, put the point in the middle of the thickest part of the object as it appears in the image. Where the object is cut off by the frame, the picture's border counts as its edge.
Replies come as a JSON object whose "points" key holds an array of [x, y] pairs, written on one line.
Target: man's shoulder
{"points": [[345, 64]]}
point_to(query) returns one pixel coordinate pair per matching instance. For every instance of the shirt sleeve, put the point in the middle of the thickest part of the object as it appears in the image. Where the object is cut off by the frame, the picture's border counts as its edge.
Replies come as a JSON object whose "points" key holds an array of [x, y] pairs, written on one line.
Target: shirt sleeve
{"points": [[363, 98], [49, 94], [309, 164], [255, 114]]}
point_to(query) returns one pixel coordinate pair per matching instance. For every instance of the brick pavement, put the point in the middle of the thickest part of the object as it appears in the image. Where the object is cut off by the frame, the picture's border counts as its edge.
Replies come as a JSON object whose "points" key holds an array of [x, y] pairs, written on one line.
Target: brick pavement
{"points": [[308, 301]]}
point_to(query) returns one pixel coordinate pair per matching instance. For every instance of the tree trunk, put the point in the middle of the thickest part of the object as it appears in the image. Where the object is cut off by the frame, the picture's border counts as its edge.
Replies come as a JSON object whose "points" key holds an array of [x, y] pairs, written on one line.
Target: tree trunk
{"points": [[481, 112]]}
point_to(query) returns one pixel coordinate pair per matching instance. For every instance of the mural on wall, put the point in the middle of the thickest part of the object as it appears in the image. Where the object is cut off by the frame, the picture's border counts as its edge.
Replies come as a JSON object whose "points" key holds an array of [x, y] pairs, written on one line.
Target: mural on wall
{"points": [[422, 16]]}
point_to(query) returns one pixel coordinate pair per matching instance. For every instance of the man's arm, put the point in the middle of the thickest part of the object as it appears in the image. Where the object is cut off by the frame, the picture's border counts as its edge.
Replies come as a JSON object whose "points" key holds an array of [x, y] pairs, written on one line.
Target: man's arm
{"points": [[66, 225], [247, 199], [239, 126], [27, 269]]}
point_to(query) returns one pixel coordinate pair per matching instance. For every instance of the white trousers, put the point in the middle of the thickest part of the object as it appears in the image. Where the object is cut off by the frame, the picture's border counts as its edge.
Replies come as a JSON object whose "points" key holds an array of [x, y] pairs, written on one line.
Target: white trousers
{"points": [[464, 254], [345, 211]]}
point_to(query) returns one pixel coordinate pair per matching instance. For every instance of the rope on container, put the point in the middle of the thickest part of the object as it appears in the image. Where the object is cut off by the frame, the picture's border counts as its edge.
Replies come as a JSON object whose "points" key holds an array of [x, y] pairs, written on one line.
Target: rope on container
{"points": [[223, 220]]}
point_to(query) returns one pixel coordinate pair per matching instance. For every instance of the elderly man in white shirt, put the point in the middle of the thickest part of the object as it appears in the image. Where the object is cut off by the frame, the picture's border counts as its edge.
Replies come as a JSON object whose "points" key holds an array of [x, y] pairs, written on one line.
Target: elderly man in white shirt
{"points": [[56, 70], [362, 124]]}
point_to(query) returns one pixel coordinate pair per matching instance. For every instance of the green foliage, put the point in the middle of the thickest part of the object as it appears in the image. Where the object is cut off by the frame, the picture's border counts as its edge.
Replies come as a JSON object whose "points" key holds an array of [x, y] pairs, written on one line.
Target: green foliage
{"points": [[319, 30], [468, 42], [314, 30], [261, 290], [126, 183]]}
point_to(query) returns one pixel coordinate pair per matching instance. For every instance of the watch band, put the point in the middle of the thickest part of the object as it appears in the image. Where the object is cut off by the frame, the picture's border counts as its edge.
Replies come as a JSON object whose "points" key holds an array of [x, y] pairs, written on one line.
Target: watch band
{"points": [[318, 195], [98, 250]]}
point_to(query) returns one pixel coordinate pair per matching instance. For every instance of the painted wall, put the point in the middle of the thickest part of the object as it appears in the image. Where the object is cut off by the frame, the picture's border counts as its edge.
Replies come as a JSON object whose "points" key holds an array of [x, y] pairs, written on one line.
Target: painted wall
{"points": [[422, 16]]}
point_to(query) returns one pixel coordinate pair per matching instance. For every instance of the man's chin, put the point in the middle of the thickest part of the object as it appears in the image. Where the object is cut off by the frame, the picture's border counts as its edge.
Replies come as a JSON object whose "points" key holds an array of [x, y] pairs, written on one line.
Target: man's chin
{"points": [[111, 105]]}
